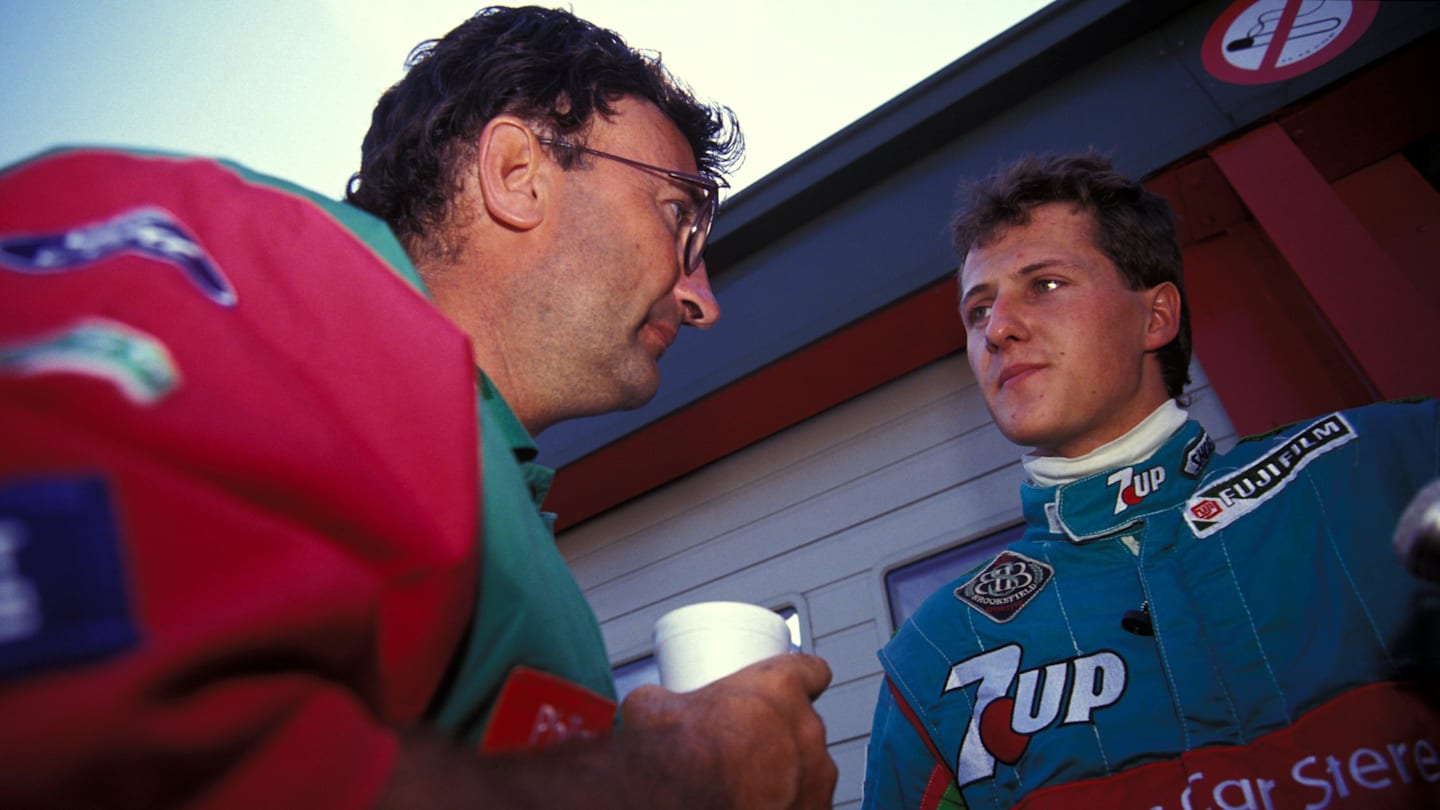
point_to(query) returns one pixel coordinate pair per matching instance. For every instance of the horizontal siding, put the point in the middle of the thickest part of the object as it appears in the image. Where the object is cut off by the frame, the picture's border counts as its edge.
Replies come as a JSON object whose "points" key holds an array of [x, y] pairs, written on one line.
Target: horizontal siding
{"points": [[828, 517], [849, 708], [850, 653], [837, 446], [813, 517], [919, 388], [850, 759], [842, 604], [928, 523]]}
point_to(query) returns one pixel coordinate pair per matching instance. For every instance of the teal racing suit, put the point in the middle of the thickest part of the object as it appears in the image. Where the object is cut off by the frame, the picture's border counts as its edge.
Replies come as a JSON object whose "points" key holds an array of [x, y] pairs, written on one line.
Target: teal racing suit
{"points": [[1190, 631]]}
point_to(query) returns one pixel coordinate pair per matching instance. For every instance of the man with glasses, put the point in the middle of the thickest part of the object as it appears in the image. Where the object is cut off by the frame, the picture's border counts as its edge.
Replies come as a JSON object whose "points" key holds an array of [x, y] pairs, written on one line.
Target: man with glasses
{"points": [[239, 535]]}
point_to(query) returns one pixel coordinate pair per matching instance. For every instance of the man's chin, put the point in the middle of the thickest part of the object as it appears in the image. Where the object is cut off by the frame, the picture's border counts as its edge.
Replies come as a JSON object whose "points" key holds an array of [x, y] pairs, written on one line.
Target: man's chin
{"points": [[1023, 433], [635, 394]]}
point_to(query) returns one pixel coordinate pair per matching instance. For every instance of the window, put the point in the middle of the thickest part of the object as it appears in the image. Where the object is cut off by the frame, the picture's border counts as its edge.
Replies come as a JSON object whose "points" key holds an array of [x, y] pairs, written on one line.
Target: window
{"points": [[634, 674], [909, 585]]}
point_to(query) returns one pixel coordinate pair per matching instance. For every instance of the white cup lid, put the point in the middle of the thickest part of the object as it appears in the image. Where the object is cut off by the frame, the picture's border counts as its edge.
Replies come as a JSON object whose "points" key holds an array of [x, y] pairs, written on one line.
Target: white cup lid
{"points": [[734, 615]]}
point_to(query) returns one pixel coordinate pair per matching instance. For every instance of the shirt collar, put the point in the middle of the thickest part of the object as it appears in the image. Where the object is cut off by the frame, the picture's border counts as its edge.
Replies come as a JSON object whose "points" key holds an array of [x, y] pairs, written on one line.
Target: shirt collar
{"points": [[1139, 443], [517, 438], [1119, 497]]}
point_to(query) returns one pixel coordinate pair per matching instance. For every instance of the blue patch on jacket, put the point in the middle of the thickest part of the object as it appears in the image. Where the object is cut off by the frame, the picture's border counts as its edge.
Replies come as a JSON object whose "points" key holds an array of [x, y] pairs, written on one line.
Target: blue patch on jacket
{"points": [[63, 596]]}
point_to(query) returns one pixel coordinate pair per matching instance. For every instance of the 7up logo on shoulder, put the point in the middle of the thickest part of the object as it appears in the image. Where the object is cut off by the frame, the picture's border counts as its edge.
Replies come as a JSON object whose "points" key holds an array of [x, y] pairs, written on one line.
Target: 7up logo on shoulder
{"points": [[1134, 487]]}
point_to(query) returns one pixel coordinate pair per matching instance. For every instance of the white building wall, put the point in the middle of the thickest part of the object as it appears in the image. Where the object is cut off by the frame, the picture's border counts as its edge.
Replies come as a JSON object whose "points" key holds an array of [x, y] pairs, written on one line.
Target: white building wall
{"points": [[813, 517]]}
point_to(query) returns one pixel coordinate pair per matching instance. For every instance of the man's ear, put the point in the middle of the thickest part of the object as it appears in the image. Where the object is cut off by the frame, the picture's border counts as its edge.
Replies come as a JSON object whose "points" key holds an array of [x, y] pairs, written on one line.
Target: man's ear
{"points": [[1163, 323], [512, 168]]}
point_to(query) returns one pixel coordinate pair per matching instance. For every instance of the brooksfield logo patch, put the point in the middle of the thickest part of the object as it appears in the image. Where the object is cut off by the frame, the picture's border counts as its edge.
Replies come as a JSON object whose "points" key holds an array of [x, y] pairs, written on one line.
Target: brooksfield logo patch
{"points": [[1223, 502], [1005, 586]]}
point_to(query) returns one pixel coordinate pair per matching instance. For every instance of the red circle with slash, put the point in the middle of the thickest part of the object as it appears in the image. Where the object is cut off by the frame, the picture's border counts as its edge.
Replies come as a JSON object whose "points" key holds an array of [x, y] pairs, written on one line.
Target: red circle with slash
{"points": [[1263, 41]]}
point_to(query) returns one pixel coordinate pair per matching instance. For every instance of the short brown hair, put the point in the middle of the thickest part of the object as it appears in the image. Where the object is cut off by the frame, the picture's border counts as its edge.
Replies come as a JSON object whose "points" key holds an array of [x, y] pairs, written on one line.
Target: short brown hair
{"points": [[544, 65], [1134, 227]]}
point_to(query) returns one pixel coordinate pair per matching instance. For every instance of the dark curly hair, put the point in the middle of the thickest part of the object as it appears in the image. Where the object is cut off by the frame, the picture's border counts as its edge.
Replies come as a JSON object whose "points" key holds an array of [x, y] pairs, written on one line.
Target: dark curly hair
{"points": [[1134, 227], [544, 65]]}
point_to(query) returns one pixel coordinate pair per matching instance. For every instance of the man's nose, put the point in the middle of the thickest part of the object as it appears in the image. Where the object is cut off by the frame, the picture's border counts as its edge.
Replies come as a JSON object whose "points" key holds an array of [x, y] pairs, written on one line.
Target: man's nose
{"points": [[1005, 324], [697, 300]]}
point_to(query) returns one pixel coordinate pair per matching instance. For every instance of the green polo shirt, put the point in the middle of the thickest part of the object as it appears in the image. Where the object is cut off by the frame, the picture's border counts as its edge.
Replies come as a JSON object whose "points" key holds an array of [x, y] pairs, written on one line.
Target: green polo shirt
{"points": [[529, 608]]}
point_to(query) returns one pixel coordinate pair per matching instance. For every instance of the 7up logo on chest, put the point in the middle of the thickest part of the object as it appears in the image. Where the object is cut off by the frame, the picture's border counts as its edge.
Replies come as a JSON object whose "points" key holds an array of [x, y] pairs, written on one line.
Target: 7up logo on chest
{"points": [[1011, 705]]}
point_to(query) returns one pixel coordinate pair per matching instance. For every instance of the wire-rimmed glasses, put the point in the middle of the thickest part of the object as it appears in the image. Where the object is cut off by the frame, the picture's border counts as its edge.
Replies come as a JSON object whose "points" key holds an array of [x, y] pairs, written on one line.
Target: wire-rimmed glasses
{"points": [[708, 198]]}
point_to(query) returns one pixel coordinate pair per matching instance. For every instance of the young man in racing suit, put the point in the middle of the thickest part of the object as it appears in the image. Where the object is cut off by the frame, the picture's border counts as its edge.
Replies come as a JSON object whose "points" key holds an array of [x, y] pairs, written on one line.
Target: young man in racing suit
{"points": [[1175, 629], [269, 539]]}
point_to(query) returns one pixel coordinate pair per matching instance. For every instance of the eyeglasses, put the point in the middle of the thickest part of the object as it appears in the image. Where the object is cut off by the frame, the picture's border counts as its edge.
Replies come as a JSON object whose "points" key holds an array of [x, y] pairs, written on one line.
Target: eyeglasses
{"points": [[704, 215]]}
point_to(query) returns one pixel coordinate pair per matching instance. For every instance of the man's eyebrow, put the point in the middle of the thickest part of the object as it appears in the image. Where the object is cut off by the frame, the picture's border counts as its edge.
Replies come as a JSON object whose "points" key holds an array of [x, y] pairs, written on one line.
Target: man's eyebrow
{"points": [[1033, 267], [978, 289], [692, 191]]}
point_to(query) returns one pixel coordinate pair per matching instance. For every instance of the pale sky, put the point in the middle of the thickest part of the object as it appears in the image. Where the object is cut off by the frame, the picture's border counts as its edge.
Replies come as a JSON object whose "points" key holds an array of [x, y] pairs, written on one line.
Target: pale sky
{"points": [[287, 87]]}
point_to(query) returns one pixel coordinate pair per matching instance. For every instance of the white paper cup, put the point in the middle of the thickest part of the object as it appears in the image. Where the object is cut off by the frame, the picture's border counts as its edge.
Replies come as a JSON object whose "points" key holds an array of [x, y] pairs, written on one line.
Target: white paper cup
{"points": [[700, 643]]}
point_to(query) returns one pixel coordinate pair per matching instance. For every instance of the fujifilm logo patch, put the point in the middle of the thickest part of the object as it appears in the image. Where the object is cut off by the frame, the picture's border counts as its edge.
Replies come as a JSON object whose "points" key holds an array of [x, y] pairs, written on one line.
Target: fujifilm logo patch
{"points": [[1241, 492]]}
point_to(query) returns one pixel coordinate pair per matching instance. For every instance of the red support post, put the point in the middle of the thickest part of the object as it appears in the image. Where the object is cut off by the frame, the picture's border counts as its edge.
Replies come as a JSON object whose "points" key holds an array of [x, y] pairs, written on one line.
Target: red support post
{"points": [[1377, 311]]}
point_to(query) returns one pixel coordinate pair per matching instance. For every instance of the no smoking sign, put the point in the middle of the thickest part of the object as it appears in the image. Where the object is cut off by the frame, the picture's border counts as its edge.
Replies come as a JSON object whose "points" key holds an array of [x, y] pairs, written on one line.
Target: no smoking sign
{"points": [[1262, 41]]}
